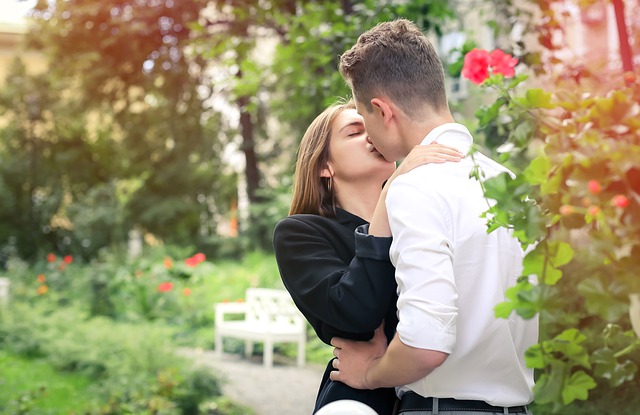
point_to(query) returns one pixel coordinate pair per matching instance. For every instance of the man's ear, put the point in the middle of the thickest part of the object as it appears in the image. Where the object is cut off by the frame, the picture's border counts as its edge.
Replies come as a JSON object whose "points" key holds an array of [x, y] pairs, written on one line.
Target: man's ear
{"points": [[385, 109]]}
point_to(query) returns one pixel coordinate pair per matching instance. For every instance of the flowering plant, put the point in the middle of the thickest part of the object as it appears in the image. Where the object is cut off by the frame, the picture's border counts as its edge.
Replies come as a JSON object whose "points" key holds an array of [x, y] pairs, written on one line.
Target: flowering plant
{"points": [[576, 201], [479, 64]]}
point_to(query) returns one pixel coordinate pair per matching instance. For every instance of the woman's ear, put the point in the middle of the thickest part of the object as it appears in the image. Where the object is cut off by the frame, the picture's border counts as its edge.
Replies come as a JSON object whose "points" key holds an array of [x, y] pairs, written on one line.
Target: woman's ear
{"points": [[327, 171], [384, 109]]}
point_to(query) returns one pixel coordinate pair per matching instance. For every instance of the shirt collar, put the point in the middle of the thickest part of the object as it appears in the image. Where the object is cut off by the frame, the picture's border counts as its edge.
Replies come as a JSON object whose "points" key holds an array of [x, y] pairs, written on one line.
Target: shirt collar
{"points": [[348, 219], [451, 134]]}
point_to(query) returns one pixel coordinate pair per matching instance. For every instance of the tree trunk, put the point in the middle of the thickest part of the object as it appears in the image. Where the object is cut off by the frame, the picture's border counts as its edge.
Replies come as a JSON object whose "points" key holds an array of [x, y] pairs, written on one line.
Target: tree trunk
{"points": [[623, 36], [247, 130]]}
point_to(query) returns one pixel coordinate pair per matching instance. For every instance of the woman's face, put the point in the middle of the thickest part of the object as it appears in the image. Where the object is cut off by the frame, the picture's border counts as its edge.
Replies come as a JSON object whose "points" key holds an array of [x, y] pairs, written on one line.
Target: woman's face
{"points": [[352, 156]]}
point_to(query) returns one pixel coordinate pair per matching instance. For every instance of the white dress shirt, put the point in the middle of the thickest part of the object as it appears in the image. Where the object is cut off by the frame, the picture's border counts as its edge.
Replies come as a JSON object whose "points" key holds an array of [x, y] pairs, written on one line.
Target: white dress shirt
{"points": [[451, 273]]}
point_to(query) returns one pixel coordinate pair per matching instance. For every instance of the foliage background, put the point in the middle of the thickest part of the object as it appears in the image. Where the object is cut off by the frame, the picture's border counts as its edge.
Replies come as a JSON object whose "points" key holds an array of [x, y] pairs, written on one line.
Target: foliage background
{"points": [[132, 127]]}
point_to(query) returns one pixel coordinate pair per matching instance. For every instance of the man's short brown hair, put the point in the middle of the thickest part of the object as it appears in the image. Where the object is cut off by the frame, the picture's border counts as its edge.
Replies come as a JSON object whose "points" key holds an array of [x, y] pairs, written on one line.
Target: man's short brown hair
{"points": [[397, 60]]}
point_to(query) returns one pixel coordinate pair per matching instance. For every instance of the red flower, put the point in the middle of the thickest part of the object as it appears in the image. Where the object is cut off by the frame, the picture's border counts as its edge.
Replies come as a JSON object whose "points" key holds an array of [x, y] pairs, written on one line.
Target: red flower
{"points": [[476, 66], [51, 258], [593, 211], [186, 292], [68, 259], [164, 287], [42, 290], [503, 63], [195, 260], [594, 186], [41, 278], [620, 201]]}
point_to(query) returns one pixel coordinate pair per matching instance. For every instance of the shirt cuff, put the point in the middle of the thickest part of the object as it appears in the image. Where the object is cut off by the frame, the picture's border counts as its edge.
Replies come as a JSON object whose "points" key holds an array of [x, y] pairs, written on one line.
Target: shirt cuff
{"points": [[372, 247]]}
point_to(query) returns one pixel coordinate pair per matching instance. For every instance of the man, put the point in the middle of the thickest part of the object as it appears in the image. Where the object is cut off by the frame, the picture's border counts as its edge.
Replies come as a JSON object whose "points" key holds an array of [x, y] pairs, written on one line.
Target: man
{"points": [[450, 352]]}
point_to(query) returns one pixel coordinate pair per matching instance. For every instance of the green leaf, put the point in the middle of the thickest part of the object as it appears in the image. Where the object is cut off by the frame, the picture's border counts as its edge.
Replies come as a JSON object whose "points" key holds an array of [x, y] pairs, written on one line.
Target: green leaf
{"points": [[487, 114], [561, 253], [538, 98], [608, 367], [534, 357], [552, 275], [568, 343], [534, 261], [577, 387], [503, 310], [602, 300], [552, 185], [538, 170], [571, 335], [549, 386]]}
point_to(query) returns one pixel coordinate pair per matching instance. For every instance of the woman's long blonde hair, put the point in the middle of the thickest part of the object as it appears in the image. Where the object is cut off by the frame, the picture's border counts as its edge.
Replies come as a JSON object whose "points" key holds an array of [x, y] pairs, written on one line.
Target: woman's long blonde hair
{"points": [[312, 193]]}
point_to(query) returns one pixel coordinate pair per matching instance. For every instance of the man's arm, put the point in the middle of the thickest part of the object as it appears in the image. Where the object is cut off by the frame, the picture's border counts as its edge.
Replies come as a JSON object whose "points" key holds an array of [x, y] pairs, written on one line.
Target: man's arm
{"points": [[366, 365]]}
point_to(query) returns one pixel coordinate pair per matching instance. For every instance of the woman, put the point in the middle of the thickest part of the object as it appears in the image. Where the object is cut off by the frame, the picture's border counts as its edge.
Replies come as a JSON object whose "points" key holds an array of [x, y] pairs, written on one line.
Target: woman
{"points": [[343, 281]]}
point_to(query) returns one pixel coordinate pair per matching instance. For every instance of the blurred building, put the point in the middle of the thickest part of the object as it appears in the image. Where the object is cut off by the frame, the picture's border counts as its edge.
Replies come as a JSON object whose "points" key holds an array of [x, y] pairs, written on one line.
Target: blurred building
{"points": [[12, 46]]}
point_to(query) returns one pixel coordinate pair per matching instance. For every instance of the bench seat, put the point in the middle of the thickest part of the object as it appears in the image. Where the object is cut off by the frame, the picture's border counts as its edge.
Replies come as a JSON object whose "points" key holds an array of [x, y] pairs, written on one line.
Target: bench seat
{"points": [[268, 316]]}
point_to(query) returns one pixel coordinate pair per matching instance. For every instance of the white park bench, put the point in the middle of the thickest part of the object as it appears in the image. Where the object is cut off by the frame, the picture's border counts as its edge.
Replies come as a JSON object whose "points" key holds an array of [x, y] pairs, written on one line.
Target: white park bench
{"points": [[268, 316], [4, 290]]}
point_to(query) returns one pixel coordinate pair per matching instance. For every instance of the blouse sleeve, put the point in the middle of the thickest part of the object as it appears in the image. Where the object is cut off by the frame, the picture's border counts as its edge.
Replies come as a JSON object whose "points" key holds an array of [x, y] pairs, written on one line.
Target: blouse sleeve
{"points": [[343, 298]]}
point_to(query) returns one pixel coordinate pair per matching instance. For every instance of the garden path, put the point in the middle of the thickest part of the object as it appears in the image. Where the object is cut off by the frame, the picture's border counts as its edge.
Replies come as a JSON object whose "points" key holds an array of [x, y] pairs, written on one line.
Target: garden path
{"points": [[283, 389]]}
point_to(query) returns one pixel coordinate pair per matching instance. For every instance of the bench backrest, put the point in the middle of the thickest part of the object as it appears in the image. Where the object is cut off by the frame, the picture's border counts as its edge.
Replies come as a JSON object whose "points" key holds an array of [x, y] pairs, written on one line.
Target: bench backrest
{"points": [[272, 306]]}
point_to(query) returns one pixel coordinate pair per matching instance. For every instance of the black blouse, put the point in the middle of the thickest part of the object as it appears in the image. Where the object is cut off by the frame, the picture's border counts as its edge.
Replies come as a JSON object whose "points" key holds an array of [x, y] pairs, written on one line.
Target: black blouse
{"points": [[342, 281]]}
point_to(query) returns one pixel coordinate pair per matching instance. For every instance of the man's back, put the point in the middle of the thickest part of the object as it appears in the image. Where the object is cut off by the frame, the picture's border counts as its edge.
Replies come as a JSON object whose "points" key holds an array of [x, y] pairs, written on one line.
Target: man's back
{"points": [[451, 273]]}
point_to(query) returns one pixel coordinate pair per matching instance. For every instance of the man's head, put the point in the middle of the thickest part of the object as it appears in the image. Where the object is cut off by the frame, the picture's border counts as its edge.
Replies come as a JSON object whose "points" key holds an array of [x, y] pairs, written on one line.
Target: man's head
{"points": [[396, 62]]}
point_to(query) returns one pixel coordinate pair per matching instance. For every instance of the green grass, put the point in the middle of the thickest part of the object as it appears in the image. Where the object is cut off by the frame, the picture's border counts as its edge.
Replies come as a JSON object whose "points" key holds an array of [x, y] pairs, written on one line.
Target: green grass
{"points": [[37, 383]]}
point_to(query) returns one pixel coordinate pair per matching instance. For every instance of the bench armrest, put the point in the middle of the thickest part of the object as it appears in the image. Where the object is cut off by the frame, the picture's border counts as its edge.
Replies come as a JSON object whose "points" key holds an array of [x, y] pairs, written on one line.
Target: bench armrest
{"points": [[222, 309]]}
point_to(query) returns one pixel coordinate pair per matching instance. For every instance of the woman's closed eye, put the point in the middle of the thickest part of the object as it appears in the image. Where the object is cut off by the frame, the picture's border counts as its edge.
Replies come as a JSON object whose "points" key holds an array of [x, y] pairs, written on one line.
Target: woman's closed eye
{"points": [[355, 133]]}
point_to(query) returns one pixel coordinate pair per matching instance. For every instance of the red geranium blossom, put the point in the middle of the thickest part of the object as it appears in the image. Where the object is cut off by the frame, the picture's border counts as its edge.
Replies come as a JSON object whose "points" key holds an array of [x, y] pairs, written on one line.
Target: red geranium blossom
{"points": [[41, 278], [503, 63], [186, 292], [68, 259], [51, 257], [594, 186], [620, 201], [476, 66], [480, 64], [164, 287]]}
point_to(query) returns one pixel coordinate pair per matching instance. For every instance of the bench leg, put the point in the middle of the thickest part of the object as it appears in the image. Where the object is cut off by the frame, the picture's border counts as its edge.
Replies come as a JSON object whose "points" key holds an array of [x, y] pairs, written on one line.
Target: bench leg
{"points": [[248, 349], [218, 344], [301, 352], [268, 353]]}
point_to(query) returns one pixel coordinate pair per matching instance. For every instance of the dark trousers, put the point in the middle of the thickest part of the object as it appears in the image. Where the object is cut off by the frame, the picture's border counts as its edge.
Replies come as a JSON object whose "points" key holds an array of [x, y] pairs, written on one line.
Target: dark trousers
{"points": [[380, 400]]}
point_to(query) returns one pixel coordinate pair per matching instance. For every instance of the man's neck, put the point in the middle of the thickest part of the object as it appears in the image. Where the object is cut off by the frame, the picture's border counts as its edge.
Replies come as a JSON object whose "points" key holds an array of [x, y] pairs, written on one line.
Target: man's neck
{"points": [[414, 131]]}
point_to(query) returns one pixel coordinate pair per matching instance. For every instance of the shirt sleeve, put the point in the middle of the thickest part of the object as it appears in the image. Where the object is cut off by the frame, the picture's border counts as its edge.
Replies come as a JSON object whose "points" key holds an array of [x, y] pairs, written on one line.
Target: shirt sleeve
{"points": [[341, 295], [422, 251]]}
